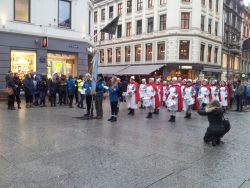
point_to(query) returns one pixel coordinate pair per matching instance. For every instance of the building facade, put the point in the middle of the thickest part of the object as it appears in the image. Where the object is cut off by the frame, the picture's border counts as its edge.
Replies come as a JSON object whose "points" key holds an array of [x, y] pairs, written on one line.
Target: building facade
{"points": [[45, 37], [245, 65], [232, 39], [184, 36]]}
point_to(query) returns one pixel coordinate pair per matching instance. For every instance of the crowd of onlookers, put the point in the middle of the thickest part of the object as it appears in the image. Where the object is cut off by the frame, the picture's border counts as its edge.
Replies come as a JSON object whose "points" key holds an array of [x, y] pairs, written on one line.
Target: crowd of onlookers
{"points": [[62, 91]]}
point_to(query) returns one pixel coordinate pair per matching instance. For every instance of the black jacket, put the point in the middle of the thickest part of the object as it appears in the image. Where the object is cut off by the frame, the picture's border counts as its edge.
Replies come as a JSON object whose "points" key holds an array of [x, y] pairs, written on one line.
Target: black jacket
{"points": [[53, 87], [215, 116]]}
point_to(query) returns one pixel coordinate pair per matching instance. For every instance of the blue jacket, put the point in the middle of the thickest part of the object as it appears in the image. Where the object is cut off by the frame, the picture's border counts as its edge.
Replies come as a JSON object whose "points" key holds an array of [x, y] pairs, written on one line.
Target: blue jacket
{"points": [[87, 85], [113, 94], [71, 86], [100, 88]]}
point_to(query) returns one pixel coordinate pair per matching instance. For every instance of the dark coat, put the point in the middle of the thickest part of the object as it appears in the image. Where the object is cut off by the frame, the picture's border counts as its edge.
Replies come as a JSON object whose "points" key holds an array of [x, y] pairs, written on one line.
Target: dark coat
{"points": [[28, 86], [11, 84], [215, 116], [53, 87]]}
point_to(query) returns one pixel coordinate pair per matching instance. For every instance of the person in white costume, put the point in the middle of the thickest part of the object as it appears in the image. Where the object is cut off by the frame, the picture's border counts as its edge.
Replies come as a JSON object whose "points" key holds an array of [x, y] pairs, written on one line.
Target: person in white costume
{"points": [[165, 92], [204, 94], [174, 93], [143, 90], [224, 95], [215, 91], [183, 86], [189, 98], [149, 99], [131, 94]]}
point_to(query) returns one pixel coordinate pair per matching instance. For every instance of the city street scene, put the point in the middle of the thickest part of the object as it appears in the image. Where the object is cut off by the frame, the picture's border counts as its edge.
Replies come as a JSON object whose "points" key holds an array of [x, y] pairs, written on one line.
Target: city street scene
{"points": [[124, 93]]}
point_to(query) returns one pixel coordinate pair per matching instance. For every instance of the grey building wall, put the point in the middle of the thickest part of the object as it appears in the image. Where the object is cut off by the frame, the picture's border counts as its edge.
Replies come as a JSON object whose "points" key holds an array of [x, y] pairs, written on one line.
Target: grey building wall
{"points": [[12, 41]]}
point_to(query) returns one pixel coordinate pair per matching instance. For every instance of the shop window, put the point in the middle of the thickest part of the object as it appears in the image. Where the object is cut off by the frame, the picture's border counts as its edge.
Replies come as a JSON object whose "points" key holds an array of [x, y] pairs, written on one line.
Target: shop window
{"points": [[148, 52], [118, 55], [139, 27], [150, 25], [161, 51], [110, 55], [202, 52], [185, 18], [138, 53], [65, 64], [64, 10], [23, 62], [184, 49], [22, 10], [209, 53], [127, 53]]}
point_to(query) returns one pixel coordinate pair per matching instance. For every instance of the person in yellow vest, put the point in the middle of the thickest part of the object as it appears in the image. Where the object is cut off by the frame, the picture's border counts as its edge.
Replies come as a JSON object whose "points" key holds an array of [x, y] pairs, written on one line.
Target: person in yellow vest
{"points": [[81, 91]]}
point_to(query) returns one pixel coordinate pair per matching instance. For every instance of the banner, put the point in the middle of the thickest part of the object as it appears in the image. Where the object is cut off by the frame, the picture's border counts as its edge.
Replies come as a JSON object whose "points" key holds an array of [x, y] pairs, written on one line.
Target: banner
{"points": [[95, 65]]}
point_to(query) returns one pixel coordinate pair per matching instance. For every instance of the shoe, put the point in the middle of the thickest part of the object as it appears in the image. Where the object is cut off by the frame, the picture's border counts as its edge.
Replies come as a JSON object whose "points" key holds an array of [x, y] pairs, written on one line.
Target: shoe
{"points": [[132, 112], [218, 141], [186, 116], [86, 115], [171, 119], [214, 142], [149, 115], [111, 118], [114, 119], [189, 116]]}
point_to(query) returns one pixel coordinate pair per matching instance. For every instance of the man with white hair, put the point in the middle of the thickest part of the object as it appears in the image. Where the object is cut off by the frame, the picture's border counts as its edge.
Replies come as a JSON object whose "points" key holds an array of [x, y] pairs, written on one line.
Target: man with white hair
{"points": [[189, 98], [143, 90], [149, 99], [132, 94], [174, 101], [204, 94]]}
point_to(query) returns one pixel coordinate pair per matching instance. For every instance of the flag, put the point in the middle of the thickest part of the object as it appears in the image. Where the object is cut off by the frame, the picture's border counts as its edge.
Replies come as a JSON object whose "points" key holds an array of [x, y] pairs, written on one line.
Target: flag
{"points": [[111, 27], [95, 70]]}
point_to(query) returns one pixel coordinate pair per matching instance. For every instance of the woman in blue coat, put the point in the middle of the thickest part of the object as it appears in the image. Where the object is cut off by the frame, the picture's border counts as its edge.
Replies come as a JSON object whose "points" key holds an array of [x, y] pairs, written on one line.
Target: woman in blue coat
{"points": [[113, 97], [71, 90]]}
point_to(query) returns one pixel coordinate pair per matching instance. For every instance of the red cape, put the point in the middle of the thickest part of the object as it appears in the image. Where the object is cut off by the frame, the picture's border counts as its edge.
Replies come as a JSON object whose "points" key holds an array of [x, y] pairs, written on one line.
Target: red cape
{"points": [[137, 93], [157, 101], [180, 101], [161, 89]]}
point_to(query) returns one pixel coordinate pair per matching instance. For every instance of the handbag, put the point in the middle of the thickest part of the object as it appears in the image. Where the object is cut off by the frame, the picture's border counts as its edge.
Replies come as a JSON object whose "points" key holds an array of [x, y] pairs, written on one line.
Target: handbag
{"points": [[9, 91], [226, 124]]}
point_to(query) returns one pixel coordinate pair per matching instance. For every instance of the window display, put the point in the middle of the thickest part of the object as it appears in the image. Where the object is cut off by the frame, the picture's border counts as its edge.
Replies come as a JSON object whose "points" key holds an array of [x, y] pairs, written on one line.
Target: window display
{"points": [[23, 62], [61, 64]]}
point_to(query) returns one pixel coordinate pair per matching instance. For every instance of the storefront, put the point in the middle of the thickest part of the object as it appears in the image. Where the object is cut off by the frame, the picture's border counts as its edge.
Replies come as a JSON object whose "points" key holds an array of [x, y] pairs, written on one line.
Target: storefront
{"points": [[23, 62], [65, 64], [24, 54]]}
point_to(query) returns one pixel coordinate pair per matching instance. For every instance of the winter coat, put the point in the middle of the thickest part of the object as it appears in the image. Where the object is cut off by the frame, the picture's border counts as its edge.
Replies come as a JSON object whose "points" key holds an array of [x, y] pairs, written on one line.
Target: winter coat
{"points": [[11, 84], [62, 84], [215, 116], [71, 86], [53, 87], [87, 86], [113, 93], [100, 88], [28, 86], [18, 84], [42, 85]]}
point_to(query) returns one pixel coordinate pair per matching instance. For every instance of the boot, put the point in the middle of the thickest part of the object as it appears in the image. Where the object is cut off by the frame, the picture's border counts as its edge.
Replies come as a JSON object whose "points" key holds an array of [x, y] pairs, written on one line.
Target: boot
{"points": [[155, 112], [171, 119], [114, 119], [187, 115], [149, 115], [141, 107], [131, 112], [18, 106], [111, 118], [214, 141]]}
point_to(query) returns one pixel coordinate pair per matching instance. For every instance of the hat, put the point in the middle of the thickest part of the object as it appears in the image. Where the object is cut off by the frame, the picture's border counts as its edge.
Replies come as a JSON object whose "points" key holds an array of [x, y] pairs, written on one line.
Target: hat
{"points": [[189, 80], [132, 77], [205, 80], [174, 79]]}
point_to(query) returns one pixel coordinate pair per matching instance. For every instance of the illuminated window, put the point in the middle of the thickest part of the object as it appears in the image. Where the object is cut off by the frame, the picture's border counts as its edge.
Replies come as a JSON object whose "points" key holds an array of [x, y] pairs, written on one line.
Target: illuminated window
{"points": [[127, 53], [184, 49], [22, 10], [148, 52], [118, 55], [161, 51], [138, 53]]}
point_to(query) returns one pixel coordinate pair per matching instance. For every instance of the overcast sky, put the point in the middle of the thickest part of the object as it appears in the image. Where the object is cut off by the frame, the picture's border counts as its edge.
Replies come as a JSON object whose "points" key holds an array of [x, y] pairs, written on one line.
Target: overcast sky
{"points": [[246, 2]]}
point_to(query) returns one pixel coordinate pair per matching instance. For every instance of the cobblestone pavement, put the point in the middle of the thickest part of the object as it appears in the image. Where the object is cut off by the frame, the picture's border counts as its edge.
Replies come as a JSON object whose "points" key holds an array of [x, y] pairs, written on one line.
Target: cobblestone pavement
{"points": [[47, 147]]}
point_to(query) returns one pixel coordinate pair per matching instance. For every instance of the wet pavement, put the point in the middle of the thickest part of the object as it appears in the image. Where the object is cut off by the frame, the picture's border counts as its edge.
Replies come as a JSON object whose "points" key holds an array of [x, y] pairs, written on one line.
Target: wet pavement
{"points": [[47, 147]]}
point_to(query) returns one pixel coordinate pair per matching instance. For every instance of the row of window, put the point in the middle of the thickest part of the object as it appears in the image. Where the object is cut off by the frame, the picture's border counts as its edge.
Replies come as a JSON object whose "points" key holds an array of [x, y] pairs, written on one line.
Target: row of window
{"points": [[184, 52], [185, 24], [22, 12], [139, 7]]}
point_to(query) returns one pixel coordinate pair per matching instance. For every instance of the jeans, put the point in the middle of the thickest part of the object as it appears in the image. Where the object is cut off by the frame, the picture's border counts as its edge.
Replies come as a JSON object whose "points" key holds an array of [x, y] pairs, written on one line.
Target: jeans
{"points": [[62, 97], [42, 97], [29, 98], [71, 97], [98, 106], [114, 108], [239, 100]]}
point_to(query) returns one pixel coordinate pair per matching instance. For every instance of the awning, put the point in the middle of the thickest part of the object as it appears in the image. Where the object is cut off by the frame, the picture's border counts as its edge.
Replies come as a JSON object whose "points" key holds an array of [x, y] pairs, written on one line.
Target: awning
{"points": [[139, 69], [111, 70], [209, 69]]}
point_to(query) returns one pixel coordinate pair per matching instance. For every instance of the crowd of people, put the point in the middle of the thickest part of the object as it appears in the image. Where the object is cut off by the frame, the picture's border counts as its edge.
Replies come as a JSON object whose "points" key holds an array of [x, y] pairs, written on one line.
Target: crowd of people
{"points": [[153, 94]]}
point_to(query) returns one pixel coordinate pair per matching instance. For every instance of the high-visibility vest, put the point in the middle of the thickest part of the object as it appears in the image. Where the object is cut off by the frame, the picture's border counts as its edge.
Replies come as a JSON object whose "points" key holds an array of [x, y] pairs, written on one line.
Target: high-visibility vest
{"points": [[79, 85]]}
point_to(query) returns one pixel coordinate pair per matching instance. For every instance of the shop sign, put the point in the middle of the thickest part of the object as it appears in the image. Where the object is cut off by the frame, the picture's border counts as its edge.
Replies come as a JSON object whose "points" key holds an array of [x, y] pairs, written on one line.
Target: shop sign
{"points": [[75, 46], [42, 59], [186, 67]]}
